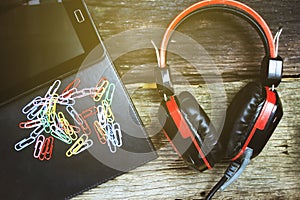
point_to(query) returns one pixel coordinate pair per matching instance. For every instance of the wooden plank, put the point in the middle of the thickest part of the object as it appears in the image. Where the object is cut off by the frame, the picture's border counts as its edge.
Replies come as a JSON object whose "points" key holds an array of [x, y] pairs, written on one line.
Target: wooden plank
{"points": [[274, 174]]}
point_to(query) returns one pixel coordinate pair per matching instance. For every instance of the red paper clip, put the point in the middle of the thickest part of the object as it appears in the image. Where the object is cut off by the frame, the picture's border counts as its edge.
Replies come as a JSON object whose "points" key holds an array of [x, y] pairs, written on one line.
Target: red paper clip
{"points": [[70, 88], [47, 148]]}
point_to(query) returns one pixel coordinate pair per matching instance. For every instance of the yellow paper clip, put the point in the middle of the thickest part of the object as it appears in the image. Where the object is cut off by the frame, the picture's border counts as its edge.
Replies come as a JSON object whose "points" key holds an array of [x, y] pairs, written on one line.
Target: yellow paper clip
{"points": [[81, 143]]}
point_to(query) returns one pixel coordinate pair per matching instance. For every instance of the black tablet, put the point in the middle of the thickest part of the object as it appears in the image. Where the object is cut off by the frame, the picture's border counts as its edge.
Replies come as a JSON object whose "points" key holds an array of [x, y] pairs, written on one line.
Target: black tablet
{"points": [[40, 41], [67, 121]]}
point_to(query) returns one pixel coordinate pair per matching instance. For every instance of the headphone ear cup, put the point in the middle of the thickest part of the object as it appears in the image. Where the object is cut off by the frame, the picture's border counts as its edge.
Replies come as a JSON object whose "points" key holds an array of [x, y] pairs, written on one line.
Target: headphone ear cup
{"points": [[241, 116], [199, 125]]}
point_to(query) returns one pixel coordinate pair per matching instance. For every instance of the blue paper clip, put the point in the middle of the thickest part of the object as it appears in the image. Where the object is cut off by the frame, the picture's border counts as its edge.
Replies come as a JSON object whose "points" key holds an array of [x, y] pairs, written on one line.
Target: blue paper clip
{"points": [[24, 143]]}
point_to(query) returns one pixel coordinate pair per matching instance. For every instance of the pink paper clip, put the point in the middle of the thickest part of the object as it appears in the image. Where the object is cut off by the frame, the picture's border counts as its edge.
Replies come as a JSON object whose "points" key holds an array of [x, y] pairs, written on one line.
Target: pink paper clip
{"points": [[47, 149], [38, 146], [89, 112], [85, 127]]}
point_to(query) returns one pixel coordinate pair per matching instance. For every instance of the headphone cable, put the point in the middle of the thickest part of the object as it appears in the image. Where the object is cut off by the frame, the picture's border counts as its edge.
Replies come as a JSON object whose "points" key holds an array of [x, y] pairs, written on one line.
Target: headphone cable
{"points": [[234, 170]]}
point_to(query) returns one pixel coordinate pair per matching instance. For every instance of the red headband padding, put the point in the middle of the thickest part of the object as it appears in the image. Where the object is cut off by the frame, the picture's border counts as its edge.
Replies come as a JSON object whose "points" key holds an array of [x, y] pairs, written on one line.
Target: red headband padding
{"points": [[205, 3]]}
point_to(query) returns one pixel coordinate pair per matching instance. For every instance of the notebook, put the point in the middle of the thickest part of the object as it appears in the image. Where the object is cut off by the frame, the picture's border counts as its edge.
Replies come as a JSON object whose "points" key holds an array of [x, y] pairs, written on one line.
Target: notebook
{"points": [[68, 123]]}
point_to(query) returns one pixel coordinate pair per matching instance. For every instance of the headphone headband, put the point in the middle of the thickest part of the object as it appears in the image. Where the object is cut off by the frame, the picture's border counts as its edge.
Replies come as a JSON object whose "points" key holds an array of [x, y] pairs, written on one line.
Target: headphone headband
{"points": [[234, 7]]}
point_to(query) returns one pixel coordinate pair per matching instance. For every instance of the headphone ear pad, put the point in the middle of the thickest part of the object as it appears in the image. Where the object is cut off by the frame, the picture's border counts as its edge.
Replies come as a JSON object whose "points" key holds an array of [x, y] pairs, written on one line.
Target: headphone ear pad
{"points": [[241, 116], [198, 123]]}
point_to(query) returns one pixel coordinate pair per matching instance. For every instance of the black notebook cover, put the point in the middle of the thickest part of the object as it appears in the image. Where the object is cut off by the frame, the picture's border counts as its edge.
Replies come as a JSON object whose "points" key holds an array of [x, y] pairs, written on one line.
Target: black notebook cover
{"points": [[42, 170]]}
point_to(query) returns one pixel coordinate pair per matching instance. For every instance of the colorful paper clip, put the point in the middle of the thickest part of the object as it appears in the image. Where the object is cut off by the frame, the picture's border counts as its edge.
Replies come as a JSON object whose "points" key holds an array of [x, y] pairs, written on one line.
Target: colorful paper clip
{"points": [[47, 149], [60, 134], [30, 124], [53, 89], [31, 105], [101, 88], [117, 134], [109, 95], [24, 143], [79, 145], [72, 87], [89, 112], [38, 146], [100, 132], [108, 111], [74, 114], [65, 125]]}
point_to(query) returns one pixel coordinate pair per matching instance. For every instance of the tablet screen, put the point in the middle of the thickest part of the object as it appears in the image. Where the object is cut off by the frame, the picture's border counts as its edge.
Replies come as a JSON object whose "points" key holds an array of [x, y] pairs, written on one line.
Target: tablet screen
{"points": [[37, 43]]}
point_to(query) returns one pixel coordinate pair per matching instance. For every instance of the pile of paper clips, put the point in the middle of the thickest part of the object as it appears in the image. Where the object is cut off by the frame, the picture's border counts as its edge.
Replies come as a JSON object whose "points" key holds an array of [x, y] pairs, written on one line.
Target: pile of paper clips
{"points": [[44, 116]]}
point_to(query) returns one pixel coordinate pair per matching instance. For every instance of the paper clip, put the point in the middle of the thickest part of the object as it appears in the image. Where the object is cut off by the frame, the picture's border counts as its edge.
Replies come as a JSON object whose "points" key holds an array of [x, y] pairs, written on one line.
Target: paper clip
{"points": [[101, 116], [65, 101], [59, 134], [31, 105], [75, 128], [108, 112], [79, 145], [53, 89], [72, 87], [24, 143], [84, 93], [89, 112], [47, 149], [110, 139], [117, 134], [101, 88], [51, 110], [30, 124], [74, 114], [38, 146], [37, 131], [35, 112], [66, 126], [87, 144], [100, 132], [110, 93], [45, 123], [85, 127]]}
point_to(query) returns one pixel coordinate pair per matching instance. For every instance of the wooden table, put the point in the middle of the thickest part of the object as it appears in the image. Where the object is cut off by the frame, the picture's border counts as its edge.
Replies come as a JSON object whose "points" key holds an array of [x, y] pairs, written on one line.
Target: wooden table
{"points": [[235, 50]]}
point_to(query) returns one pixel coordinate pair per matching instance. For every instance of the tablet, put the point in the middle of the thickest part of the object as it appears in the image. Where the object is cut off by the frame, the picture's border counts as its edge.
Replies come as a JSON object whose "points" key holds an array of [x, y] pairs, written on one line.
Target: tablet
{"points": [[40, 42], [67, 121]]}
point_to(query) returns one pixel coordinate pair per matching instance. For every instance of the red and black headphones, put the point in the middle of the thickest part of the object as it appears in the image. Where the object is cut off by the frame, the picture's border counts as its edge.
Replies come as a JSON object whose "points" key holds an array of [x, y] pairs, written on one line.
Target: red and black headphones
{"points": [[251, 117]]}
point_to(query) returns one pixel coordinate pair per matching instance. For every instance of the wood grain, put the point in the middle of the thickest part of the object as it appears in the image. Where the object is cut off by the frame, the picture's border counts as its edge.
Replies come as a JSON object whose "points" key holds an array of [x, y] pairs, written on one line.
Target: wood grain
{"points": [[236, 51]]}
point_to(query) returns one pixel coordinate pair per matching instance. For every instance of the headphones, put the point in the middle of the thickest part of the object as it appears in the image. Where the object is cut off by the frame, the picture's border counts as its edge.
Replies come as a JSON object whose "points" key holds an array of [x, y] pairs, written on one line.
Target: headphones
{"points": [[251, 117]]}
